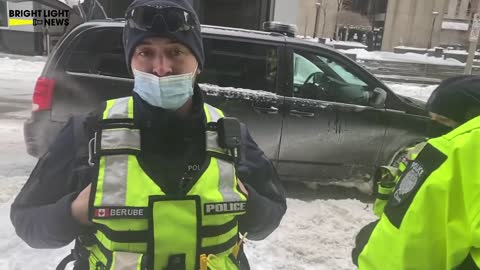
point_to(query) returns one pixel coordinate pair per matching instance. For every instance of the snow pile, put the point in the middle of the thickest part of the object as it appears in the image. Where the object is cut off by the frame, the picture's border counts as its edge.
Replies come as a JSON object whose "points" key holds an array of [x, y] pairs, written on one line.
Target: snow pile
{"points": [[411, 48], [346, 43], [18, 77], [455, 26], [406, 57], [421, 92], [461, 52], [11, 68], [231, 92], [332, 42]]}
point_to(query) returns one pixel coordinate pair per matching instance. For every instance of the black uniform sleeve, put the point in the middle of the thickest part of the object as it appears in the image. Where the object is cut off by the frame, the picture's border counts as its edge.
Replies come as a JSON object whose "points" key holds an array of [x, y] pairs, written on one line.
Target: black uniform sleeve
{"points": [[361, 240], [266, 203], [41, 211]]}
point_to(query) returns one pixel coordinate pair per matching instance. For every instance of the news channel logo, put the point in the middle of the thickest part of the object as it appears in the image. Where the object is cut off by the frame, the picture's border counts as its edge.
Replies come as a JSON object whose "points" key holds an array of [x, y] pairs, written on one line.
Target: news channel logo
{"points": [[20, 17]]}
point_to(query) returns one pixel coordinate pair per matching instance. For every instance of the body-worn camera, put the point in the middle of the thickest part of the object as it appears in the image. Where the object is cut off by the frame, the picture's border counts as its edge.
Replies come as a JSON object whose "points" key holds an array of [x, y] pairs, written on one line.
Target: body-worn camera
{"points": [[229, 135]]}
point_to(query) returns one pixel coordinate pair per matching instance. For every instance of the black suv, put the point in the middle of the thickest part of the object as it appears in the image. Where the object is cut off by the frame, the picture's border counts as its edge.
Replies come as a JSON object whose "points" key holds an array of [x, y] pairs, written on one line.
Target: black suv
{"points": [[317, 114]]}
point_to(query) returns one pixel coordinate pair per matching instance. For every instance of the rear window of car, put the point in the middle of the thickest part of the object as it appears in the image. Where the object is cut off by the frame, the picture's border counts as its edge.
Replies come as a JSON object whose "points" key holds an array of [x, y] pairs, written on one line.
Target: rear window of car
{"points": [[100, 52]]}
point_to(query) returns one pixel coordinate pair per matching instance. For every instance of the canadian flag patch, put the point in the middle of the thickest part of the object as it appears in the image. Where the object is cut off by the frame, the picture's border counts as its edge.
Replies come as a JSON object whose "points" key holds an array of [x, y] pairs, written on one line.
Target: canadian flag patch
{"points": [[102, 212]]}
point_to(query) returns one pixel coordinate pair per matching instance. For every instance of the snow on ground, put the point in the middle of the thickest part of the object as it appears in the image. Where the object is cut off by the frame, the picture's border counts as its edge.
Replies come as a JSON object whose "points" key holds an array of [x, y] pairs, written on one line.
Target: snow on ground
{"points": [[18, 77], [14, 253], [11, 68], [313, 235], [406, 57]]}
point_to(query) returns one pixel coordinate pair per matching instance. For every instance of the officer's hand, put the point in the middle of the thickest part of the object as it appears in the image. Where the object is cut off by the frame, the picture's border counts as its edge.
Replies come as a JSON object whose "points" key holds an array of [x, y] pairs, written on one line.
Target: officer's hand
{"points": [[242, 187], [79, 206]]}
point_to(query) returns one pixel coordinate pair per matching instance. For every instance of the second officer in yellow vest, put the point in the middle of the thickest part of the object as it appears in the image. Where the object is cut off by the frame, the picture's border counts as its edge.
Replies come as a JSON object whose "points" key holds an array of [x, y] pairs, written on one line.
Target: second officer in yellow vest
{"points": [[159, 180], [430, 218]]}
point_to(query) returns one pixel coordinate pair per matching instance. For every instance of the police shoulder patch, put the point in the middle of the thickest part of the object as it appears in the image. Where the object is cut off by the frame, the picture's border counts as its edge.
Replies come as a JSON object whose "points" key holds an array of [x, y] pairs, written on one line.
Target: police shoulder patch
{"points": [[407, 183], [428, 160]]}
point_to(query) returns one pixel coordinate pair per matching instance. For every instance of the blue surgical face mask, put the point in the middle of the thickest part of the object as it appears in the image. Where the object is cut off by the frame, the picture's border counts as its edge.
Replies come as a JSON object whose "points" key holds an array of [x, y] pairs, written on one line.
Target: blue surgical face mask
{"points": [[169, 92]]}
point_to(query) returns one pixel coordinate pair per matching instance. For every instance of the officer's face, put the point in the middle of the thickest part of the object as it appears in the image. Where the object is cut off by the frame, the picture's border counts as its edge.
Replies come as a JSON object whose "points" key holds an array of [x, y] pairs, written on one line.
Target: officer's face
{"points": [[163, 57]]}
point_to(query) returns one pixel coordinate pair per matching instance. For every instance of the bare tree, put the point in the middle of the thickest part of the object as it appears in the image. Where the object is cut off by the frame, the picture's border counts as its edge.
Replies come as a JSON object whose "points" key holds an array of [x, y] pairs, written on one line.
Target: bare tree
{"points": [[341, 5], [372, 12], [339, 8], [323, 8]]}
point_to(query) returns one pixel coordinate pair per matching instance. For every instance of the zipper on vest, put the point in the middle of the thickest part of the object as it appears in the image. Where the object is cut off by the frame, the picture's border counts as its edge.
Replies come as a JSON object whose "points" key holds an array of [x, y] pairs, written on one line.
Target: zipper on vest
{"points": [[184, 184]]}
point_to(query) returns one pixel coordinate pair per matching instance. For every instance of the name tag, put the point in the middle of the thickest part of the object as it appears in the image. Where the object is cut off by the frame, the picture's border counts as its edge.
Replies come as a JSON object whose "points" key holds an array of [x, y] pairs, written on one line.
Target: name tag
{"points": [[119, 212]]}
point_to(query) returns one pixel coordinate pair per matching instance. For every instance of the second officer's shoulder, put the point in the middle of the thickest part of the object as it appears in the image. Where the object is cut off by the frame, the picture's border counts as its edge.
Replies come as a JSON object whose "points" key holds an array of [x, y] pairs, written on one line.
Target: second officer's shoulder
{"points": [[468, 133]]}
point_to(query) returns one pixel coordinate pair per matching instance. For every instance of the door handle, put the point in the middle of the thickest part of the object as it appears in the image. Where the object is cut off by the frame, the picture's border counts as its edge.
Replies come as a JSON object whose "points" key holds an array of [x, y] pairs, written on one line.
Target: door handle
{"points": [[268, 110], [301, 113]]}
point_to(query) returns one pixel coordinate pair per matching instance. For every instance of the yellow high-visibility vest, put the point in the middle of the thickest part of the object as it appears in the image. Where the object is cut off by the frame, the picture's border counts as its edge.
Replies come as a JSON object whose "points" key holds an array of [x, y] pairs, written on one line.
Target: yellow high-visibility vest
{"points": [[139, 226]]}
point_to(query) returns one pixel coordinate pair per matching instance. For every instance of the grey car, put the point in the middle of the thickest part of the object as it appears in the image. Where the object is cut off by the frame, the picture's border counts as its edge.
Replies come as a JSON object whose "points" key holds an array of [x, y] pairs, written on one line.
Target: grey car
{"points": [[318, 115]]}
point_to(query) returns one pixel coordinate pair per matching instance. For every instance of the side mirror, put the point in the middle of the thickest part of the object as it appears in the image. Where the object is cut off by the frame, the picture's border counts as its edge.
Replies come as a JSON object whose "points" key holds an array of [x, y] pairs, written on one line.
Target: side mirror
{"points": [[378, 98]]}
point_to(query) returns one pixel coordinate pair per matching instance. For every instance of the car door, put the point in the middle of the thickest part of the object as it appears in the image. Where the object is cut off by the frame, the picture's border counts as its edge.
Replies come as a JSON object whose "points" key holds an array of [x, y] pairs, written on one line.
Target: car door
{"points": [[330, 132], [241, 78]]}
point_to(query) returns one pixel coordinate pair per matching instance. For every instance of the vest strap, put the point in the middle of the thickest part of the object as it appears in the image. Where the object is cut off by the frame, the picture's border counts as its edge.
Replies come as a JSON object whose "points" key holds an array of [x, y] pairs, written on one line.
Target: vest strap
{"points": [[222, 247], [215, 230], [117, 141], [65, 261], [122, 236]]}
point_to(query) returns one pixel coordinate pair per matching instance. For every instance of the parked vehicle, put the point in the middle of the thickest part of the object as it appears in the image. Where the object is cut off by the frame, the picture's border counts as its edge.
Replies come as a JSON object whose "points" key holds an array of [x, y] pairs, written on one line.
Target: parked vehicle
{"points": [[317, 114]]}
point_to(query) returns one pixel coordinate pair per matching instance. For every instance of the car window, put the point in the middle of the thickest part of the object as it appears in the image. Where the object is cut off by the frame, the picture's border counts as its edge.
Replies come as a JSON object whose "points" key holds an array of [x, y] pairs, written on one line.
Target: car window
{"points": [[346, 75], [240, 65], [303, 68], [98, 52], [322, 78]]}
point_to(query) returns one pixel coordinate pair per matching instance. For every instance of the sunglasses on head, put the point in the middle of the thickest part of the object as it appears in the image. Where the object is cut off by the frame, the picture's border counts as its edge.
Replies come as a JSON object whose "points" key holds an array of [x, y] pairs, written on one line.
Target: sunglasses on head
{"points": [[158, 19]]}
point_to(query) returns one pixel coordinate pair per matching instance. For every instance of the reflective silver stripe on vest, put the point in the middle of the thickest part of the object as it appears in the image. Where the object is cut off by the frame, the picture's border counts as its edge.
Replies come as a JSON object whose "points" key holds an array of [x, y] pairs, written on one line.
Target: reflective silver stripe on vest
{"points": [[126, 261], [119, 109], [212, 137], [120, 139], [115, 180], [214, 115], [212, 142], [227, 176]]}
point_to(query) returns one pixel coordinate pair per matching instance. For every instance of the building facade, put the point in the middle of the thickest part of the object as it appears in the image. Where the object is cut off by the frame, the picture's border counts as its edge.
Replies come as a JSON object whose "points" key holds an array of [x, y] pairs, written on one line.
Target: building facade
{"points": [[410, 23], [428, 23]]}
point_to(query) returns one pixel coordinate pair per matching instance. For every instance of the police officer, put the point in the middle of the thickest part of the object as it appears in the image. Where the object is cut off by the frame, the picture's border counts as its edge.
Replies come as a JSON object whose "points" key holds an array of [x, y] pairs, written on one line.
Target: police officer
{"points": [[429, 219], [158, 180], [448, 107]]}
